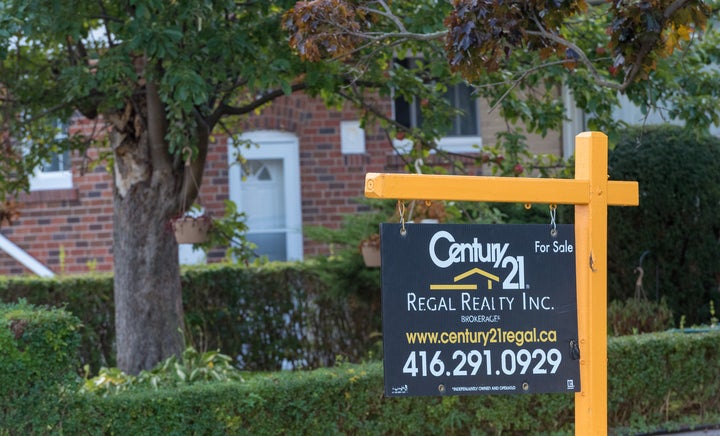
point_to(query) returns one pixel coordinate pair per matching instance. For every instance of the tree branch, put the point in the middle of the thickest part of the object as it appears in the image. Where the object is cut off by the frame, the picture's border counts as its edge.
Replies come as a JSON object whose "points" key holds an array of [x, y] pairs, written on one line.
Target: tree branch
{"points": [[517, 82], [193, 180], [677, 4], [105, 17], [648, 45], [404, 36], [387, 14], [156, 128], [599, 79], [225, 109]]}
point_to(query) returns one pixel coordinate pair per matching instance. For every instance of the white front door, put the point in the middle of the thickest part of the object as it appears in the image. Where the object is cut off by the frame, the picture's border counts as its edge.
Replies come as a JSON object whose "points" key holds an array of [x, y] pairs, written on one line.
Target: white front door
{"points": [[270, 193]]}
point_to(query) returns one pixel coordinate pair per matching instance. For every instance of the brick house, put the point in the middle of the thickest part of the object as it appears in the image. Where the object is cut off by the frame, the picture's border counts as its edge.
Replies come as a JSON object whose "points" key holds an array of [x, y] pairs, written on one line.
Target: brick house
{"points": [[307, 170]]}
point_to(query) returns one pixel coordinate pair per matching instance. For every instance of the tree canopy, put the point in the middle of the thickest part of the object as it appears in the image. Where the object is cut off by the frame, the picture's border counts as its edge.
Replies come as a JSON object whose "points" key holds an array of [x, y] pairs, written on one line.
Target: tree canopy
{"points": [[159, 77], [517, 53], [215, 59]]}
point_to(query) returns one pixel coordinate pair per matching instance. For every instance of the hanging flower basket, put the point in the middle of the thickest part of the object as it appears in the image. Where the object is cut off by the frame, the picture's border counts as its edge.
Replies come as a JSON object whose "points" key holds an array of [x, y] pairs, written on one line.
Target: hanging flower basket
{"points": [[370, 250], [194, 226], [192, 230]]}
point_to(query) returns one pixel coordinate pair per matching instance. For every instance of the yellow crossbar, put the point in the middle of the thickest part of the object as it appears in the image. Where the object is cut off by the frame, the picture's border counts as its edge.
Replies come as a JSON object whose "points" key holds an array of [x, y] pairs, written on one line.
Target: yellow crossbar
{"points": [[493, 189]]}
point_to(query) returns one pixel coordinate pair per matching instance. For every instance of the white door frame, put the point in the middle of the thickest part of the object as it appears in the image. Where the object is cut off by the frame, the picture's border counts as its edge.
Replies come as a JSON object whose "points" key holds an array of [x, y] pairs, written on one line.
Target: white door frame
{"points": [[273, 144]]}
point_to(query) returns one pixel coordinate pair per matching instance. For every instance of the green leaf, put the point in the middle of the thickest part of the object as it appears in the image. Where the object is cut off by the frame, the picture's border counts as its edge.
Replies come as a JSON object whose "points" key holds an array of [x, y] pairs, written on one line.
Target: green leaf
{"points": [[180, 372]]}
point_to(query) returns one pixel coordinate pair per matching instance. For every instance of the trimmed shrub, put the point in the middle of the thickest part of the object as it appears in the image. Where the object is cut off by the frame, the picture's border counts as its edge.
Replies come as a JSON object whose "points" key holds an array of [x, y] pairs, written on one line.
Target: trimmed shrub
{"points": [[658, 377], [89, 297], [655, 381], [38, 357], [342, 400], [677, 221], [302, 314], [298, 314]]}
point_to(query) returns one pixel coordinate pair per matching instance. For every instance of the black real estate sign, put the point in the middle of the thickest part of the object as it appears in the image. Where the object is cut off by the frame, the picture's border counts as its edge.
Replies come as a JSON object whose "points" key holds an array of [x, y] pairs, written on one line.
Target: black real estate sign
{"points": [[479, 309]]}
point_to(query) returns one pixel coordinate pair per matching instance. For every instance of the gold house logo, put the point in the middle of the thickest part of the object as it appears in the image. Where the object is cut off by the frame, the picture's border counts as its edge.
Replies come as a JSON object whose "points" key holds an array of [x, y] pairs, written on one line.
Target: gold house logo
{"points": [[467, 287]]}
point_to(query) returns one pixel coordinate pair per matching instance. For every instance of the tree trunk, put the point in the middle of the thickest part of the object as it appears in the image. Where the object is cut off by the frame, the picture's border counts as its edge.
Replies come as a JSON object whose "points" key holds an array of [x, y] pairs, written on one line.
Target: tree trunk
{"points": [[151, 187], [148, 297]]}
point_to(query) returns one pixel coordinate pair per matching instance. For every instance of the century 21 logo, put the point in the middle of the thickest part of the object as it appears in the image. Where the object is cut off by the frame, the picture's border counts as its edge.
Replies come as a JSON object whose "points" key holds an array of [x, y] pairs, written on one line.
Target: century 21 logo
{"points": [[477, 252]]}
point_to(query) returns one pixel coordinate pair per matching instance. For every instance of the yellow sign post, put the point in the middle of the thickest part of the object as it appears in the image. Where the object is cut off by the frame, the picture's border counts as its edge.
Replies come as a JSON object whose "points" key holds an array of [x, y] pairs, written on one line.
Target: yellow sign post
{"points": [[591, 193]]}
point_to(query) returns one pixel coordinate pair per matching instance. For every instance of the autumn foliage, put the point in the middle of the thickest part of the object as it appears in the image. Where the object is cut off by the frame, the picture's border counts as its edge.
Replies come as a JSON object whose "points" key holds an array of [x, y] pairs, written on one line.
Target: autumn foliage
{"points": [[326, 28], [481, 36], [642, 31]]}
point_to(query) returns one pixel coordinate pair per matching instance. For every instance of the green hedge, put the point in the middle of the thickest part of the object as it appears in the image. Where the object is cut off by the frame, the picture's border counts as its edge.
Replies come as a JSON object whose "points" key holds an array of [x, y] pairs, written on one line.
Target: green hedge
{"points": [[304, 313], [89, 297], [37, 357], [655, 381], [341, 400], [663, 375]]}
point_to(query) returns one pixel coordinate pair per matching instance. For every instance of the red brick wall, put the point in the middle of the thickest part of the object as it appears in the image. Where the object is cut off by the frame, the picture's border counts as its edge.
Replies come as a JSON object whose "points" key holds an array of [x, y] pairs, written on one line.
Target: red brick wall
{"points": [[70, 231], [67, 230]]}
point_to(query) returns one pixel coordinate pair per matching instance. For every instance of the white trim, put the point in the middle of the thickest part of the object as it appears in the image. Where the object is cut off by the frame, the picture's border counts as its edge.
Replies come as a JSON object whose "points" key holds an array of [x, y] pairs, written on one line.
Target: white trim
{"points": [[271, 144], [46, 181], [461, 144], [451, 144], [21, 256]]}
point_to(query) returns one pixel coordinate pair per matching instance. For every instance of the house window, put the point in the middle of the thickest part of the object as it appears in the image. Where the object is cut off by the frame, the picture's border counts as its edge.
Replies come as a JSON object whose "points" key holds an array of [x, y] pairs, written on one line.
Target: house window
{"points": [[58, 162], [55, 172], [460, 97], [464, 133]]}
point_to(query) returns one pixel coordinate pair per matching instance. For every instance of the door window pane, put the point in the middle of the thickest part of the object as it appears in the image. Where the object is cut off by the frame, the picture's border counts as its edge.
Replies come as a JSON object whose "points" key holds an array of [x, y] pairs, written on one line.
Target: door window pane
{"points": [[270, 244], [263, 201]]}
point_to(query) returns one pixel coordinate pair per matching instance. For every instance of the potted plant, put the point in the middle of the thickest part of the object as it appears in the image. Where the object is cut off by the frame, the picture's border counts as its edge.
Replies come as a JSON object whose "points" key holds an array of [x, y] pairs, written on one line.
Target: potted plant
{"points": [[192, 228], [428, 212], [370, 250], [420, 212]]}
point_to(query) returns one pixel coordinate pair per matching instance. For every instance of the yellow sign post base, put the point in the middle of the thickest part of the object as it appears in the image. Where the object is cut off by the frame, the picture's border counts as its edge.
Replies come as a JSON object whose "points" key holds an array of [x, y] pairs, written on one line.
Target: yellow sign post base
{"points": [[591, 193]]}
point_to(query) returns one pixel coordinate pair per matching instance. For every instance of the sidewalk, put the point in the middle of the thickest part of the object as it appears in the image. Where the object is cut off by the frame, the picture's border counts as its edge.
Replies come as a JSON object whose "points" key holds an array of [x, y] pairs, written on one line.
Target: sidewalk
{"points": [[709, 430]]}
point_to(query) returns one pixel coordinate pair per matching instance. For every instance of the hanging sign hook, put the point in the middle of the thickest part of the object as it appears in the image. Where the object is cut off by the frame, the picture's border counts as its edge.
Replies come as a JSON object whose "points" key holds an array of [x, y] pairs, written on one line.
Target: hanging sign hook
{"points": [[553, 224], [401, 212]]}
